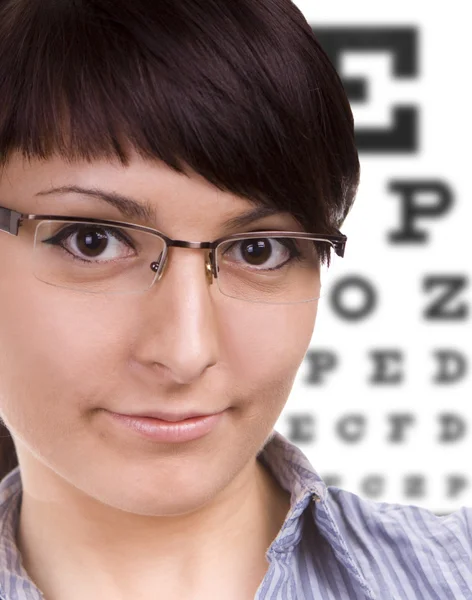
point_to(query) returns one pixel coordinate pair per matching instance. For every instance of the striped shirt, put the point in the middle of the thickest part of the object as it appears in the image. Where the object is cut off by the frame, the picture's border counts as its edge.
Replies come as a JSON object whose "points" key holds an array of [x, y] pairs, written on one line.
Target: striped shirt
{"points": [[333, 544]]}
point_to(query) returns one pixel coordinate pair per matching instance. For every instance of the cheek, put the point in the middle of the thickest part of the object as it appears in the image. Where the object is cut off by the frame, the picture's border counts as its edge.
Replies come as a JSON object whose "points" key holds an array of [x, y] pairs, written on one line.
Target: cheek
{"points": [[53, 350], [267, 344]]}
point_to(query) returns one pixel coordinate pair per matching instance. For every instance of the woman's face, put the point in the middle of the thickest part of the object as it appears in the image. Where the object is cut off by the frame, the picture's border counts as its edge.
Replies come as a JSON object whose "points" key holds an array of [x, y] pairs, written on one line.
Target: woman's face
{"points": [[66, 358]]}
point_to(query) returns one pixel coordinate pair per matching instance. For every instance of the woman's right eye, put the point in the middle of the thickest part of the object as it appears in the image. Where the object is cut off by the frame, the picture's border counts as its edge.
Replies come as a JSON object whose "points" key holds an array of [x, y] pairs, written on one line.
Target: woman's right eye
{"points": [[89, 243]]}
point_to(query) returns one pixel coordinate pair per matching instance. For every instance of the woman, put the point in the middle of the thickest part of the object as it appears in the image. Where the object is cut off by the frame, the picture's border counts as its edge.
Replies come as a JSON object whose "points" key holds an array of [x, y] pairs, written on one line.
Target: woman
{"points": [[144, 364]]}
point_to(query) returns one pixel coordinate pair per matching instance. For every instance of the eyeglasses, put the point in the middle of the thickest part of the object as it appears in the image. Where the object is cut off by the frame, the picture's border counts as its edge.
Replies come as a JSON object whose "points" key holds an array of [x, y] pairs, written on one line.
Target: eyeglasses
{"points": [[112, 257]]}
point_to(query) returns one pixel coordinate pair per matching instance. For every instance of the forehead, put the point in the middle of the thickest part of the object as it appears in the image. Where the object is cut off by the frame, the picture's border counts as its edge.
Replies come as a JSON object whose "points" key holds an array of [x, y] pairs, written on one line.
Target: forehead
{"points": [[151, 181], [144, 191]]}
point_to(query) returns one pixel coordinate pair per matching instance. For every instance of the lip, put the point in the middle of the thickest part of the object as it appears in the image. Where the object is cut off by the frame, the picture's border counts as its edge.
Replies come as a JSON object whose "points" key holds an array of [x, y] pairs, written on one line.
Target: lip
{"points": [[163, 416], [165, 431]]}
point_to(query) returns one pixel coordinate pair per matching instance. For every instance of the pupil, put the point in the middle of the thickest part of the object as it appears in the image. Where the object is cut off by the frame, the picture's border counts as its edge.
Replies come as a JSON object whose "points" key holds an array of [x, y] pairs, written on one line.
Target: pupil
{"points": [[93, 240], [257, 251]]}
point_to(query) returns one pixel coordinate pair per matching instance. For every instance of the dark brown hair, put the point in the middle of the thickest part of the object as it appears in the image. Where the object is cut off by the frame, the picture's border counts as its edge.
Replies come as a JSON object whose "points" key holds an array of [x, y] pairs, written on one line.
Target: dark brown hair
{"points": [[239, 92]]}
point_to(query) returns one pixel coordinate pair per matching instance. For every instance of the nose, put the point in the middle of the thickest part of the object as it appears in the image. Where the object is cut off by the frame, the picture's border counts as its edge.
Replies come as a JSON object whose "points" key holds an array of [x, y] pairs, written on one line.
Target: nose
{"points": [[184, 316]]}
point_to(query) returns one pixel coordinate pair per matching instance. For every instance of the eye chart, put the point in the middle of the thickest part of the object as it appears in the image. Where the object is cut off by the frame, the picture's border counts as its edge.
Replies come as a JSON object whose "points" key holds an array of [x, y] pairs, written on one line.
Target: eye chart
{"points": [[382, 404]]}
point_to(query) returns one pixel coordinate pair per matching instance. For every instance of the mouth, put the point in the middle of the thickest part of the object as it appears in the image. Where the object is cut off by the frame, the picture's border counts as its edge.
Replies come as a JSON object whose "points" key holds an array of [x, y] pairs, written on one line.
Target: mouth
{"points": [[167, 417], [173, 429]]}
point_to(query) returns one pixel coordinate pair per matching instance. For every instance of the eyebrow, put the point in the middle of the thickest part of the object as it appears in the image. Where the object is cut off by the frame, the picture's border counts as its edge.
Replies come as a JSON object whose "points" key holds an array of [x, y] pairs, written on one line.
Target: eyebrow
{"points": [[133, 209]]}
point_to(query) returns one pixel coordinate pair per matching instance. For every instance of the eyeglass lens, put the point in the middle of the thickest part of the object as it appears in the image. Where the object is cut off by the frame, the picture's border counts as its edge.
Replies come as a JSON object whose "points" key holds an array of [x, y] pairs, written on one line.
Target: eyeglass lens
{"points": [[103, 259]]}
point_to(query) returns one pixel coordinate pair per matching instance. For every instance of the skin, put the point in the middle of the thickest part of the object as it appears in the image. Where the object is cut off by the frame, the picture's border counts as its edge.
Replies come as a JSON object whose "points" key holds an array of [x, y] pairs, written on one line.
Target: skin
{"points": [[189, 519]]}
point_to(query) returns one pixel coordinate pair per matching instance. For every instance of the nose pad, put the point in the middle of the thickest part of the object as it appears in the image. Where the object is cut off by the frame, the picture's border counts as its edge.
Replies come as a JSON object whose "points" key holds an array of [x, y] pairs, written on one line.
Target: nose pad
{"points": [[162, 271], [155, 265], [209, 269]]}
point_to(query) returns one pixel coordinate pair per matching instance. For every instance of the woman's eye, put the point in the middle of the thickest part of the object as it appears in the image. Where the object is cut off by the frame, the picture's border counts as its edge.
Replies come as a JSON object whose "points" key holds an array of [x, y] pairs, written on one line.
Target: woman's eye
{"points": [[89, 243], [261, 253]]}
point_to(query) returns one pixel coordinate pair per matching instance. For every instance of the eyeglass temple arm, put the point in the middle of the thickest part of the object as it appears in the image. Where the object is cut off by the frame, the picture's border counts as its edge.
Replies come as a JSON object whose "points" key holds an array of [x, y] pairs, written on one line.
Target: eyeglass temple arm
{"points": [[10, 220]]}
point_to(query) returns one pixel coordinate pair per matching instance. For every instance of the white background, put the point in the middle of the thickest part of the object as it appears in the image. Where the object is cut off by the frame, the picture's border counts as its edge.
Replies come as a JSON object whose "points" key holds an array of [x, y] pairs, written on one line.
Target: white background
{"points": [[442, 93]]}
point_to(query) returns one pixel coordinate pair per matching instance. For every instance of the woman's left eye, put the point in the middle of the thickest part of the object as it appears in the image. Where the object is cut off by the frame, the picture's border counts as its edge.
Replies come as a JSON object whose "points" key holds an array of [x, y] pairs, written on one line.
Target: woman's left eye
{"points": [[261, 253]]}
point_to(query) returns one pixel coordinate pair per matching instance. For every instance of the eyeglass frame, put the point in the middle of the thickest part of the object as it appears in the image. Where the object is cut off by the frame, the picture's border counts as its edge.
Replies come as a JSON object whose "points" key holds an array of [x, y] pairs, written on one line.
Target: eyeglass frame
{"points": [[11, 221]]}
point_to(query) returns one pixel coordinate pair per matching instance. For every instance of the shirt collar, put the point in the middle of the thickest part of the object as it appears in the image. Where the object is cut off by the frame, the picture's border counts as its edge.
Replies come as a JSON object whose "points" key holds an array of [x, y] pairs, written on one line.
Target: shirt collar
{"points": [[309, 495], [291, 468], [294, 473]]}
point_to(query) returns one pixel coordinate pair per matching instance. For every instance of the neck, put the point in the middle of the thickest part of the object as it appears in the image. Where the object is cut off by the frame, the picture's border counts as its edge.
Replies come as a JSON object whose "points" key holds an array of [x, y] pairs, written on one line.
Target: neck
{"points": [[224, 541]]}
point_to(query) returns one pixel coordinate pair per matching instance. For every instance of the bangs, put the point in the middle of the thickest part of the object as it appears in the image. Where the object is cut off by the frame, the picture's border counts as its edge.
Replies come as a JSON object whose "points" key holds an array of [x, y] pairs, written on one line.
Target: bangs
{"points": [[238, 92]]}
